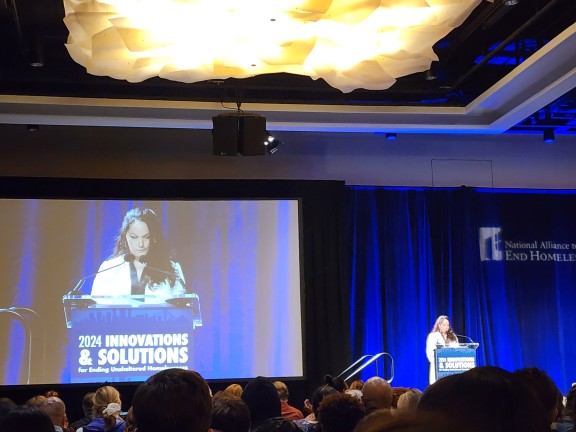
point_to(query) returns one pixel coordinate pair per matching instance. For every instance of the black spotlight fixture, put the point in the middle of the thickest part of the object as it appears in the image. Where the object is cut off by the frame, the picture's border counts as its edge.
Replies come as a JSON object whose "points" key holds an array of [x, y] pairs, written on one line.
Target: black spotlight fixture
{"points": [[548, 136], [32, 128], [391, 136], [239, 133], [272, 143]]}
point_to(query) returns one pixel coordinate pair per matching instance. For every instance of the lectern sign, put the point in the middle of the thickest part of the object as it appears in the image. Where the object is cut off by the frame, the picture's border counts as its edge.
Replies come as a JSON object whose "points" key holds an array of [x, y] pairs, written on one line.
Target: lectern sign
{"points": [[456, 359], [130, 342]]}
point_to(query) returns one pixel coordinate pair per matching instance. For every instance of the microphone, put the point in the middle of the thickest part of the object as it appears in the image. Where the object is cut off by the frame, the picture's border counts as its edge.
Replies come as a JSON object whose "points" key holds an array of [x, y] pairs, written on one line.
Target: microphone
{"points": [[142, 259], [78, 287], [464, 336]]}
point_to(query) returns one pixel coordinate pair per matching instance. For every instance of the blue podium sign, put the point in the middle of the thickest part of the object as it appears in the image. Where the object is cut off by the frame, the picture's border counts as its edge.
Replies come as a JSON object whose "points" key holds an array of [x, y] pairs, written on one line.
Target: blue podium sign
{"points": [[455, 359], [129, 342]]}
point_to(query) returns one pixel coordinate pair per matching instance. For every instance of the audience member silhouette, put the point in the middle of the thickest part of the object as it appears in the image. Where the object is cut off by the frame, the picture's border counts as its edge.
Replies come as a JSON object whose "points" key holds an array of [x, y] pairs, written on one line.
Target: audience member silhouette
{"points": [[130, 422], [544, 389], [408, 401], [287, 410], [277, 424], [376, 394], [262, 399], [336, 383], [24, 419], [234, 390], [382, 421], [567, 419], [35, 402], [6, 405], [56, 410], [310, 423], [106, 411], [340, 413], [229, 414], [87, 409], [173, 400], [486, 399], [356, 385]]}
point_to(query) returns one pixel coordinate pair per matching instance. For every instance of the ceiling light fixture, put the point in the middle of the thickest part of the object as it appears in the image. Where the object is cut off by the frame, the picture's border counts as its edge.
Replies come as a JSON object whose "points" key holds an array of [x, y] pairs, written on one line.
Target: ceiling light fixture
{"points": [[349, 43], [391, 136], [548, 136], [511, 2]]}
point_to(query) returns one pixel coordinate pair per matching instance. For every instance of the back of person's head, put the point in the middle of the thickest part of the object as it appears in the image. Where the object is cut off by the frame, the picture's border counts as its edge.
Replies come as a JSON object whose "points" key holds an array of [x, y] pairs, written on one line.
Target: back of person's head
{"points": [[384, 421], [107, 404], [130, 425], [318, 396], [282, 390], [277, 424], [173, 400], [88, 404], [35, 402], [408, 401], [340, 413], [24, 419], [485, 399], [356, 385], [396, 393], [262, 399], [6, 405], [354, 393], [55, 408], [229, 414], [336, 383], [544, 389], [570, 408], [377, 394], [234, 390]]}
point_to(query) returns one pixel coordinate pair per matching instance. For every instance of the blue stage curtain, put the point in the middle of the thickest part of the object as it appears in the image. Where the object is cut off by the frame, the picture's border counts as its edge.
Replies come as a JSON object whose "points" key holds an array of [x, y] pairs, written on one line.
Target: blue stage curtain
{"points": [[416, 255]]}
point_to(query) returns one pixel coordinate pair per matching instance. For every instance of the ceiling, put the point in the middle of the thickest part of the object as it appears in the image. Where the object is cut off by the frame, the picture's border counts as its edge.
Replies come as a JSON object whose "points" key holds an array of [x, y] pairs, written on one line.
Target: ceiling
{"points": [[506, 69]]}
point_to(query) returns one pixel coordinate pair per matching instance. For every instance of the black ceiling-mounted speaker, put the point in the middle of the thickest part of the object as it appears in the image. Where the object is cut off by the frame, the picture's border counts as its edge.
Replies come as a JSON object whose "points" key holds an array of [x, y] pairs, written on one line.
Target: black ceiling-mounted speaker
{"points": [[225, 135], [239, 133], [253, 135]]}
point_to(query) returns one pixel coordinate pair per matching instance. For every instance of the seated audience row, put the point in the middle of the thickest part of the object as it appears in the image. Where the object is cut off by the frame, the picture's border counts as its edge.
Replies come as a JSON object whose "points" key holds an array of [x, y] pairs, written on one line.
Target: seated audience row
{"points": [[484, 399]]}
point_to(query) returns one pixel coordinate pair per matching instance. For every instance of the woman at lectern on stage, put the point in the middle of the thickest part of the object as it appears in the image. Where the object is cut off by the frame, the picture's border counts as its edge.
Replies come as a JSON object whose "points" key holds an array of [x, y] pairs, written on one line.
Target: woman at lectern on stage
{"points": [[442, 335], [140, 264]]}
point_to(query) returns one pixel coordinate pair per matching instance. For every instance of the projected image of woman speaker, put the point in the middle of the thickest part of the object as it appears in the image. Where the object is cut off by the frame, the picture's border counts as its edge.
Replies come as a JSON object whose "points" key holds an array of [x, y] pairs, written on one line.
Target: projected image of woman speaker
{"points": [[141, 263]]}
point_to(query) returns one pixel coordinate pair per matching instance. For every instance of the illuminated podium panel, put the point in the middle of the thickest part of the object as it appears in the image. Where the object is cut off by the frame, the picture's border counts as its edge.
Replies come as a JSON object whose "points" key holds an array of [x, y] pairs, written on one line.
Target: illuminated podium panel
{"points": [[129, 338], [455, 359]]}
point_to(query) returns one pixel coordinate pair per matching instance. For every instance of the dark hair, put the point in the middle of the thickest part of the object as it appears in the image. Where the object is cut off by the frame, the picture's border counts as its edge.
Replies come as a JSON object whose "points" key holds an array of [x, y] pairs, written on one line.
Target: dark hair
{"points": [[229, 414], [318, 396], [262, 399], [485, 398], [6, 405], [278, 424], [384, 421], [340, 412], [173, 400], [88, 403], [158, 256], [336, 383], [545, 390], [570, 410], [23, 419]]}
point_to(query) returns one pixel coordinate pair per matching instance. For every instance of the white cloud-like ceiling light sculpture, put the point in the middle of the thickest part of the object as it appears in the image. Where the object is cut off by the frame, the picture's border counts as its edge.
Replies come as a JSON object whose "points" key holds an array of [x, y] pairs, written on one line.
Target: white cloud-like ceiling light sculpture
{"points": [[349, 43]]}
